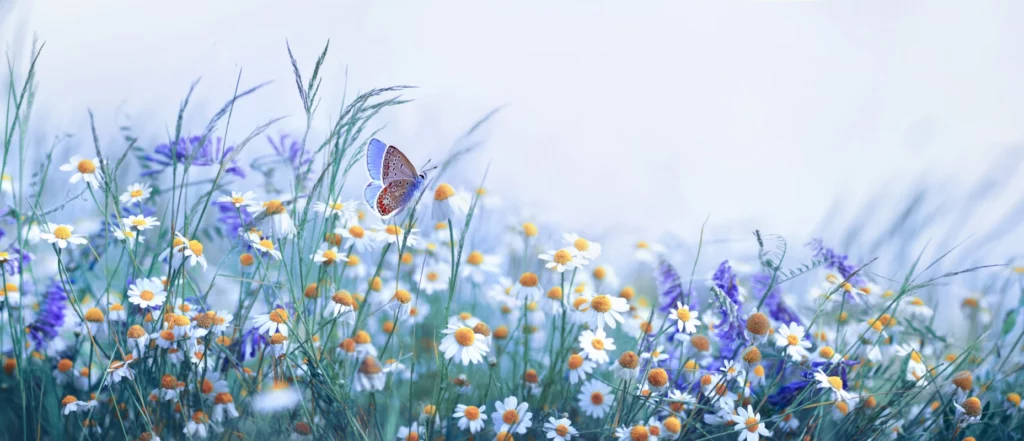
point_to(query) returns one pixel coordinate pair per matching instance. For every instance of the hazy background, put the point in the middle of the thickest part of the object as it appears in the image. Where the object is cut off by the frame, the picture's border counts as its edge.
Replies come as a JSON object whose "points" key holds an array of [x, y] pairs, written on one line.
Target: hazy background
{"points": [[645, 117]]}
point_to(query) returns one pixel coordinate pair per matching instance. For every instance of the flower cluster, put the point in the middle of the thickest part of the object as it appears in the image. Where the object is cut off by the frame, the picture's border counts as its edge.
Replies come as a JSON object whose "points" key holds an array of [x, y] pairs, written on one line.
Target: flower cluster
{"points": [[202, 305]]}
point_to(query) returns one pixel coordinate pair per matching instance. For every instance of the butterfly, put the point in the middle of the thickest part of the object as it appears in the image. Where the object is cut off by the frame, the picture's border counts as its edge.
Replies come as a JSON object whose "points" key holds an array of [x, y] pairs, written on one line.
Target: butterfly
{"points": [[393, 179]]}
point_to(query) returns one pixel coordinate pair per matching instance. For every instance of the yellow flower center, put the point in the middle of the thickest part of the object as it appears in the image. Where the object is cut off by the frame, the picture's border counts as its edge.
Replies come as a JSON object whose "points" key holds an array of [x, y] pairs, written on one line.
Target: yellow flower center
{"points": [[529, 229], [353, 260], [86, 166], [94, 315], [465, 336], [555, 293], [826, 352], [337, 206], [915, 356], [639, 433], [403, 296], [237, 200], [657, 377], [432, 276], [751, 424], [561, 430], [972, 406], [581, 244], [278, 316], [597, 343], [510, 417], [273, 206], [836, 383], [362, 337], [356, 231], [1013, 398], [793, 339], [195, 247], [562, 257], [393, 230], [600, 273], [472, 413], [601, 303], [575, 361], [443, 192], [683, 314], [475, 258], [62, 232], [597, 398], [265, 243], [136, 193]]}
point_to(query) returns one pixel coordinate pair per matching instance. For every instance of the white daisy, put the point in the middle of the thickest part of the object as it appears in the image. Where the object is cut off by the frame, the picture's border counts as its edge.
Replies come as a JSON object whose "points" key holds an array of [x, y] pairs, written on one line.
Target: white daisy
{"points": [[463, 344], [411, 433], [137, 192], [272, 322], [656, 356], [596, 344], [749, 424], [344, 211], [140, 222], [264, 245], [276, 219], [579, 368], [84, 170], [326, 255], [239, 200], [916, 369], [731, 370], [128, 235], [791, 337], [835, 384], [480, 267], [595, 398], [448, 204], [560, 429], [582, 247], [512, 415], [435, 278], [196, 426], [280, 397], [563, 259], [361, 239], [602, 309], [392, 233], [61, 235], [342, 305], [686, 320], [471, 417]]}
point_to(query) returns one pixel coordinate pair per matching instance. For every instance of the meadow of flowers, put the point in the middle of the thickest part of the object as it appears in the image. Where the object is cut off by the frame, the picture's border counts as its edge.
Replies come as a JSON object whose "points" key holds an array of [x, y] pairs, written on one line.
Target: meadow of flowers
{"points": [[230, 293]]}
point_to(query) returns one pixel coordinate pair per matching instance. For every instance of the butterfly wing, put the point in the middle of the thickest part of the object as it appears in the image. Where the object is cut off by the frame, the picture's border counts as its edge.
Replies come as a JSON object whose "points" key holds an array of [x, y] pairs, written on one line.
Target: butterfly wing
{"points": [[370, 193], [395, 196], [375, 158], [396, 166]]}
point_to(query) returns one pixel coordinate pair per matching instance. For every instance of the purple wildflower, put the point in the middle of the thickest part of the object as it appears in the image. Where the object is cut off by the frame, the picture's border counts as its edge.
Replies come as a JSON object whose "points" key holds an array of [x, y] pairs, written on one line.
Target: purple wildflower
{"points": [[670, 288], [230, 220], [291, 150], [834, 261], [773, 302], [730, 330], [51, 315], [190, 151]]}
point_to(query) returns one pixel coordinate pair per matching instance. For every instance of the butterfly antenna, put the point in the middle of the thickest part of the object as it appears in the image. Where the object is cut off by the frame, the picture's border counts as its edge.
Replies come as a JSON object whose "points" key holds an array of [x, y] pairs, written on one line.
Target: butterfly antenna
{"points": [[425, 169]]}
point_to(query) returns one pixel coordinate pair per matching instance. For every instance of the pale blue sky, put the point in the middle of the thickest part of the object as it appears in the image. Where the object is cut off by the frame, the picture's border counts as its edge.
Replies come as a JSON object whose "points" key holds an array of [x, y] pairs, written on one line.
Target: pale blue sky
{"points": [[647, 118]]}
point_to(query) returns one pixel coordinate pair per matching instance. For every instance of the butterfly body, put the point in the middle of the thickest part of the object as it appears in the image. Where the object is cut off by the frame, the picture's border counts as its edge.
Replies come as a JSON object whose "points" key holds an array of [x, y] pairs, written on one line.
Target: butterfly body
{"points": [[393, 179]]}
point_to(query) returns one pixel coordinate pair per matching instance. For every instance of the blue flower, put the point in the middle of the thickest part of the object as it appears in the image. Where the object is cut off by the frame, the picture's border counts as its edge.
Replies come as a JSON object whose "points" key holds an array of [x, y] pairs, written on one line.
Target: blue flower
{"points": [[777, 308], [291, 150], [51, 315], [190, 151], [730, 330], [834, 261]]}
